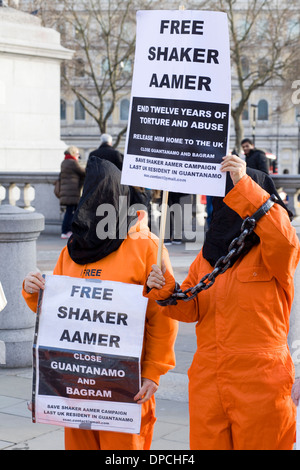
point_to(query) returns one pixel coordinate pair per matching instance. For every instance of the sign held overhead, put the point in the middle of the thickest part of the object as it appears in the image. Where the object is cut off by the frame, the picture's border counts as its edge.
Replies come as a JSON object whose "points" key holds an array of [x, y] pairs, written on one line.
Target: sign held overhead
{"points": [[180, 102]]}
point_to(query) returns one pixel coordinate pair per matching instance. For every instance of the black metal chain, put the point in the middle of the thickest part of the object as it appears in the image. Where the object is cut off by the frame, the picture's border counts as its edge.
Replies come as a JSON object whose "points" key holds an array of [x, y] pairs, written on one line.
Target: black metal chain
{"points": [[224, 262]]}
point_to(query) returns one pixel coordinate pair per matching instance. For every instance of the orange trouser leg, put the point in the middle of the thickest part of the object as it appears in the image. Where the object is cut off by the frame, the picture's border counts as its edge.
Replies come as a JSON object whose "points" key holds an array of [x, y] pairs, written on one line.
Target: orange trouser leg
{"points": [[209, 424], [265, 427], [242, 402], [77, 439], [260, 408]]}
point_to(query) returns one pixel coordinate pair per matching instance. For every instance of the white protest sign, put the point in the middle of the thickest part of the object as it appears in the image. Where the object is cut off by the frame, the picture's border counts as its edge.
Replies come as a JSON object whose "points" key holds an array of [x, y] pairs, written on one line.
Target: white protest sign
{"points": [[180, 102], [87, 349], [3, 301], [2, 352], [298, 428]]}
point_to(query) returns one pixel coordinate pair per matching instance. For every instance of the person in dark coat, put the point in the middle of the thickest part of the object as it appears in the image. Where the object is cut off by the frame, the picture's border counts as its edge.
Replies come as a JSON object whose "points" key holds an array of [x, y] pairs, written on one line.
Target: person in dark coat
{"points": [[254, 157], [71, 181], [107, 152]]}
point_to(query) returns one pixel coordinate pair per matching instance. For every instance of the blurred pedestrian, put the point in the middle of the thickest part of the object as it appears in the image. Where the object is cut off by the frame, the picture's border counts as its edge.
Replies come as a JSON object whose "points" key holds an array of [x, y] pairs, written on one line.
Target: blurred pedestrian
{"points": [[254, 157], [296, 391], [174, 219], [107, 152], [209, 211], [71, 181]]}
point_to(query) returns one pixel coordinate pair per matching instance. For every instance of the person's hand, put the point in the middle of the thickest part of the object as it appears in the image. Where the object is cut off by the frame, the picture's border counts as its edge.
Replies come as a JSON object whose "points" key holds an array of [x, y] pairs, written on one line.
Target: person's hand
{"points": [[296, 392], [156, 277], [147, 390], [235, 165], [33, 282]]}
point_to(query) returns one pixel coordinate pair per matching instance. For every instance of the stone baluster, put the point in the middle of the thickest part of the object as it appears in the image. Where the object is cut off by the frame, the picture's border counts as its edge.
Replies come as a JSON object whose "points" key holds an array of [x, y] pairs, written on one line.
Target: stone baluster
{"points": [[19, 230], [6, 197], [291, 193], [24, 201]]}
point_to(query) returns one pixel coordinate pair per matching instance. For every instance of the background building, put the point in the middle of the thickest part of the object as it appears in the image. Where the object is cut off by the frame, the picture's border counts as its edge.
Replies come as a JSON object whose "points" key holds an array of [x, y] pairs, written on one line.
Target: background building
{"points": [[30, 57], [95, 92]]}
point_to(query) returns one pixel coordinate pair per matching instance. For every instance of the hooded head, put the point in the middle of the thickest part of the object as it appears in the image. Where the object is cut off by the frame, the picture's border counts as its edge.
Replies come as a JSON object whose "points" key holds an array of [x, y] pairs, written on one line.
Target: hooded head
{"points": [[99, 201], [226, 223]]}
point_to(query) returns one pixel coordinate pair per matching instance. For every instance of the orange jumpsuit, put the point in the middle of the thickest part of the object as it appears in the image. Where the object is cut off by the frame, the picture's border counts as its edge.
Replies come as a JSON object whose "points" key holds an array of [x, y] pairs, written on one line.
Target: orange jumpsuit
{"points": [[241, 376], [131, 263]]}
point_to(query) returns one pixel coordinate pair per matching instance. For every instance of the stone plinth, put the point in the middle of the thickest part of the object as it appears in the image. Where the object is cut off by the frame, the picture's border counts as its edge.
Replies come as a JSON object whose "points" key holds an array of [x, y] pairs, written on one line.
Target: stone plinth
{"points": [[30, 59], [19, 230]]}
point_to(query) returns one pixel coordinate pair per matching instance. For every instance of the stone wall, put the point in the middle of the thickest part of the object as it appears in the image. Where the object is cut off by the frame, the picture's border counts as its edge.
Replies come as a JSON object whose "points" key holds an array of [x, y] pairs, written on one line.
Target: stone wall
{"points": [[30, 58]]}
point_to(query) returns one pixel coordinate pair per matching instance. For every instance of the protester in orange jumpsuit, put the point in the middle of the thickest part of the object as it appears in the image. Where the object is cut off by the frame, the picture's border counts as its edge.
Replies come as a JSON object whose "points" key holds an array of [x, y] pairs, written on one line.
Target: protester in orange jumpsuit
{"points": [[242, 373], [126, 260]]}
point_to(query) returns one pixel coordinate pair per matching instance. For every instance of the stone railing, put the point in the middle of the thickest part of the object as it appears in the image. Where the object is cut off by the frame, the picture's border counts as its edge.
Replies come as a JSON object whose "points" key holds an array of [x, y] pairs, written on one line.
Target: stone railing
{"points": [[34, 191]]}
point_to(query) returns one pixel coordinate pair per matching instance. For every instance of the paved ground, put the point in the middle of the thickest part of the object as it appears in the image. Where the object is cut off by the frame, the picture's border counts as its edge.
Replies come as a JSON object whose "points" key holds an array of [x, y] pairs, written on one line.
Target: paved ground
{"points": [[17, 432]]}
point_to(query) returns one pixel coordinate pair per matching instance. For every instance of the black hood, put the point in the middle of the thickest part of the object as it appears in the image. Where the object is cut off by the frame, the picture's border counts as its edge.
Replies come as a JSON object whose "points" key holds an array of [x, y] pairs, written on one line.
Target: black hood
{"points": [[102, 186], [226, 223]]}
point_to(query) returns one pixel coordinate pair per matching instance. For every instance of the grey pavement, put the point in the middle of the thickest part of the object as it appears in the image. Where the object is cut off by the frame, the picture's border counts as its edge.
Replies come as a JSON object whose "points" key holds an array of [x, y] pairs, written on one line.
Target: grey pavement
{"points": [[17, 432]]}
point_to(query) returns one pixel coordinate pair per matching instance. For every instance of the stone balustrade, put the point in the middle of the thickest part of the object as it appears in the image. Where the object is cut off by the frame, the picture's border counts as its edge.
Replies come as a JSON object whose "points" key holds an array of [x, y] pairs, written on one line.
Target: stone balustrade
{"points": [[35, 191], [19, 230]]}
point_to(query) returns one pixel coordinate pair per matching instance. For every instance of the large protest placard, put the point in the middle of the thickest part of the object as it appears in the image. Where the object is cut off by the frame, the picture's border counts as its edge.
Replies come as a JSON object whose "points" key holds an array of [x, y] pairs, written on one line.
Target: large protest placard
{"points": [[180, 102], [87, 350]]}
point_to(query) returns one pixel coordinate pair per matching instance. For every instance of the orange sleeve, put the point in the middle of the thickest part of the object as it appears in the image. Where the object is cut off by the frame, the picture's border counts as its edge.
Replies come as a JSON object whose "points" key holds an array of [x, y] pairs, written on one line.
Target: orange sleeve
{"points": [[58, 270], [184, 311], [278, 238], [160, 333], [164, 292], [32, 299]]}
